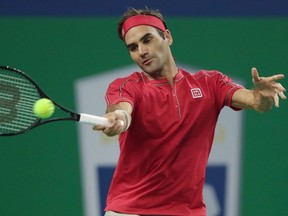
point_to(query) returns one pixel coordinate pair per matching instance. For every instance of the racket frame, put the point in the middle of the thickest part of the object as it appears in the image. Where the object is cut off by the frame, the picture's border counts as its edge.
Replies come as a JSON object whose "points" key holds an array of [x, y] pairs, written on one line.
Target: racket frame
{"points": [[73, 116]]}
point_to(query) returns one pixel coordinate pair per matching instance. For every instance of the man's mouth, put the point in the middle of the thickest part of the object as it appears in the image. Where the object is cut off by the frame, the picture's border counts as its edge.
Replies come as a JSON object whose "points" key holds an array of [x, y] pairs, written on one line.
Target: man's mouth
{"points": [[146, 62]]}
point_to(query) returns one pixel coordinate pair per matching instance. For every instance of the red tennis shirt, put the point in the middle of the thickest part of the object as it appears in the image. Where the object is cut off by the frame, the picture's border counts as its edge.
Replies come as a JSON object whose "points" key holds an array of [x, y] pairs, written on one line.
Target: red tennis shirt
{"points": [[164, 153]]}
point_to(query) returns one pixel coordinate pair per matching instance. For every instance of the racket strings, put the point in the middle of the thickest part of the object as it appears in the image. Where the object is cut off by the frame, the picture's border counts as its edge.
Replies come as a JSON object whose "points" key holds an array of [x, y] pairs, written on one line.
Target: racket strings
{"points": [[17, 97]]}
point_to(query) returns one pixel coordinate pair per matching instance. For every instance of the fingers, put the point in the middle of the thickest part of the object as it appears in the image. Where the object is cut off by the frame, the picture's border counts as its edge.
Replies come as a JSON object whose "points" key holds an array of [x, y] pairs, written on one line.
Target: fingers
{"points": [[113, 129], [276, 100], [275, 77], [98, 127], [282, 95], [257, 78], [115, 124], [268, 87], [278, 87], [255, 75]]}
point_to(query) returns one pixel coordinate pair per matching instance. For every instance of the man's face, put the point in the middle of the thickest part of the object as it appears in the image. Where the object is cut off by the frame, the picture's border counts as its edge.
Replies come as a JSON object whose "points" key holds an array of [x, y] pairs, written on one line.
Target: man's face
{"points": [[148, 49]]}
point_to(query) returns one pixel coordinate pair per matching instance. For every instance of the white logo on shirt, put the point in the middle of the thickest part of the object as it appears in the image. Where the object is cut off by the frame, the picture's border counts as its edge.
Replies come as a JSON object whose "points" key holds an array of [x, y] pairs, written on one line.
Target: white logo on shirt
{"points": [[196, 93]]}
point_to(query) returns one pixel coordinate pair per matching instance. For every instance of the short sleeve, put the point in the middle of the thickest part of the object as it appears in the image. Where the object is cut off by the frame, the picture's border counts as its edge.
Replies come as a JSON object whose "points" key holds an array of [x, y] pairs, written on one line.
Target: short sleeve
{"points": [[119, 91], [225, 88]]}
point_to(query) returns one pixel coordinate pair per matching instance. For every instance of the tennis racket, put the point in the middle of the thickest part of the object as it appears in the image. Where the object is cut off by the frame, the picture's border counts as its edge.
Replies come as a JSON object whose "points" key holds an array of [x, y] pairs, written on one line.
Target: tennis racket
{"points": [[18, 93]]}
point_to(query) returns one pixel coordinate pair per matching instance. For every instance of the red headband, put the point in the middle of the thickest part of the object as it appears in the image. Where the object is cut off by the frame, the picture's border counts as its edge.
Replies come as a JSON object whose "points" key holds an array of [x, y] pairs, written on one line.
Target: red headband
{"points": [[142, 20]]}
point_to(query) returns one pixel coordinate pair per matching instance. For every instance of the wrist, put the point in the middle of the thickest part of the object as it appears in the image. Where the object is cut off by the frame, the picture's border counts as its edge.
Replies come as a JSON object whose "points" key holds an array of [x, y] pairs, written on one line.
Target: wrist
{"points": [[262, 103], [126, 117]]}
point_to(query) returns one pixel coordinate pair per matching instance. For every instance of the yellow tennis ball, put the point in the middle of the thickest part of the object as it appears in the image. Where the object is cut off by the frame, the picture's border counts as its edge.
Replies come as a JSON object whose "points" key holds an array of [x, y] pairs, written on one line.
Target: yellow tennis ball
{"points": [[43, 108]]}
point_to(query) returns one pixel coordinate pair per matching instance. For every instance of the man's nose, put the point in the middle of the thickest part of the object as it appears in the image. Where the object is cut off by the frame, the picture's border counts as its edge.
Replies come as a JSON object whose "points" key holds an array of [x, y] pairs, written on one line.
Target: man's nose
{"points": [[142, 49]]}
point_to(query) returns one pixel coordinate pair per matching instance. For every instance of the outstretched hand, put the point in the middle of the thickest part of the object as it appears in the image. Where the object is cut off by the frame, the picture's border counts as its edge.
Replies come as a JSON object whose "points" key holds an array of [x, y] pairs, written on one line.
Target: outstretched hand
{"points": [[267, 86]]}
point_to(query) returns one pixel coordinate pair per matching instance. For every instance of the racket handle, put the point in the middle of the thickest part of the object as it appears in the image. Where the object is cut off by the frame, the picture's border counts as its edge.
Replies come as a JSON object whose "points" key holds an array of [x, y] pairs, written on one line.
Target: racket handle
{"points": [[94, 120]]}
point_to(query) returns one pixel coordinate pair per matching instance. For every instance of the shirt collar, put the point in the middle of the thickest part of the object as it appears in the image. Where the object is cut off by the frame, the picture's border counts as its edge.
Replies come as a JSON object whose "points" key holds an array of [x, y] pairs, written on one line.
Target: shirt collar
{"points": [[176, 78]]}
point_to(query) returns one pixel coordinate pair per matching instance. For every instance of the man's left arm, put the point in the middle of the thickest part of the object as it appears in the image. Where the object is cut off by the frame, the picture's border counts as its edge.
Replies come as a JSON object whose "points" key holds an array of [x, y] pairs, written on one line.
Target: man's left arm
{"points": [[266, 92]]}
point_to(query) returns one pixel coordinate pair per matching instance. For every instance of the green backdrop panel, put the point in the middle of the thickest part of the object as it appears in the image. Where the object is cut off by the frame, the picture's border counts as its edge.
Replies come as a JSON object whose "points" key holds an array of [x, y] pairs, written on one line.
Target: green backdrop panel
{"points": [[40, 170]]}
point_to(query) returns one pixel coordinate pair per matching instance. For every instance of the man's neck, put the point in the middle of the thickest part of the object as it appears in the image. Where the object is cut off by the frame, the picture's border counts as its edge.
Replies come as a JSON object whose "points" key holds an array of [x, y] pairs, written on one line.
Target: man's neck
{"points": [[168, 73]]}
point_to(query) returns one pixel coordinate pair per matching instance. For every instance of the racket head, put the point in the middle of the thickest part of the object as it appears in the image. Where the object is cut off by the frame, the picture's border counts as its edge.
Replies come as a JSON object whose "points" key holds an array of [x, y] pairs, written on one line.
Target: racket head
{"points": [[18, 93]]}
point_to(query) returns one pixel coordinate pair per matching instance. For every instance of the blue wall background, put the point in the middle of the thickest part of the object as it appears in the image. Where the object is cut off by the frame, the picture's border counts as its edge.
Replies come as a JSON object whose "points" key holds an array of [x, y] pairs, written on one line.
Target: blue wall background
{"points": [[169, 8]]}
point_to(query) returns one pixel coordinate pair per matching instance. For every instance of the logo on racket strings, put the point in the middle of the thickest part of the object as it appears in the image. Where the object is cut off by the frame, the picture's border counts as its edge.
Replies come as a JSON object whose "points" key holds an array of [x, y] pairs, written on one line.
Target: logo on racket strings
{"points": [[9, 98]]}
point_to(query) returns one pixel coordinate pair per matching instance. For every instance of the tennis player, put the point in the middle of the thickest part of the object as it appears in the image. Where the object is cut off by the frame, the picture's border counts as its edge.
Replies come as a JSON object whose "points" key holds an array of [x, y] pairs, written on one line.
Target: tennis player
{"points": [[170, 116]]}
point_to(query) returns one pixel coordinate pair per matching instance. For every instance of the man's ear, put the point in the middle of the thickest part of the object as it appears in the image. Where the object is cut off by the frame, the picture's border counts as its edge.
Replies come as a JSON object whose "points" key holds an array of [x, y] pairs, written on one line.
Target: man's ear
{"points": [[168, 36]]}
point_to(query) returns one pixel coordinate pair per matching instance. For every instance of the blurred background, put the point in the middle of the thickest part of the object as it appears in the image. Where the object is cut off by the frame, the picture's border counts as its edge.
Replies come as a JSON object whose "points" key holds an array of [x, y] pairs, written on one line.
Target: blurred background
{"points": [[60, 41]]}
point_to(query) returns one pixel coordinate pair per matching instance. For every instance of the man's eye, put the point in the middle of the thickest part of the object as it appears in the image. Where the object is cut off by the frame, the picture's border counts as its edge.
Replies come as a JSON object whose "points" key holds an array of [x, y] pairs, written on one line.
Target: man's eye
{"points": [[147, 40], [132, 48]]}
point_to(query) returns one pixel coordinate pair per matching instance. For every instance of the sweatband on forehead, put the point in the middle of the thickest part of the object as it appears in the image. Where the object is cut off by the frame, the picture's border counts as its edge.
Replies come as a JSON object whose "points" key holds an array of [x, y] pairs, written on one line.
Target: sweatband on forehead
{"points": [[142, 20]]}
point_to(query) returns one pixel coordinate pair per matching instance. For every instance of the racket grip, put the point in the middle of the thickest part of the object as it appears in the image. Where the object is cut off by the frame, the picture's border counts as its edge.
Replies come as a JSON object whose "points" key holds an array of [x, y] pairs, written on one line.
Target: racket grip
{"points": [[94, 120]]}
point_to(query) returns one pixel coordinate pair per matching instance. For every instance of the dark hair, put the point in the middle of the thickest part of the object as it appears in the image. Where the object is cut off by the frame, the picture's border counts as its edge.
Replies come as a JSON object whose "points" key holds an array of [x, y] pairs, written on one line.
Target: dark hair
{"points": [[133, 12]]}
